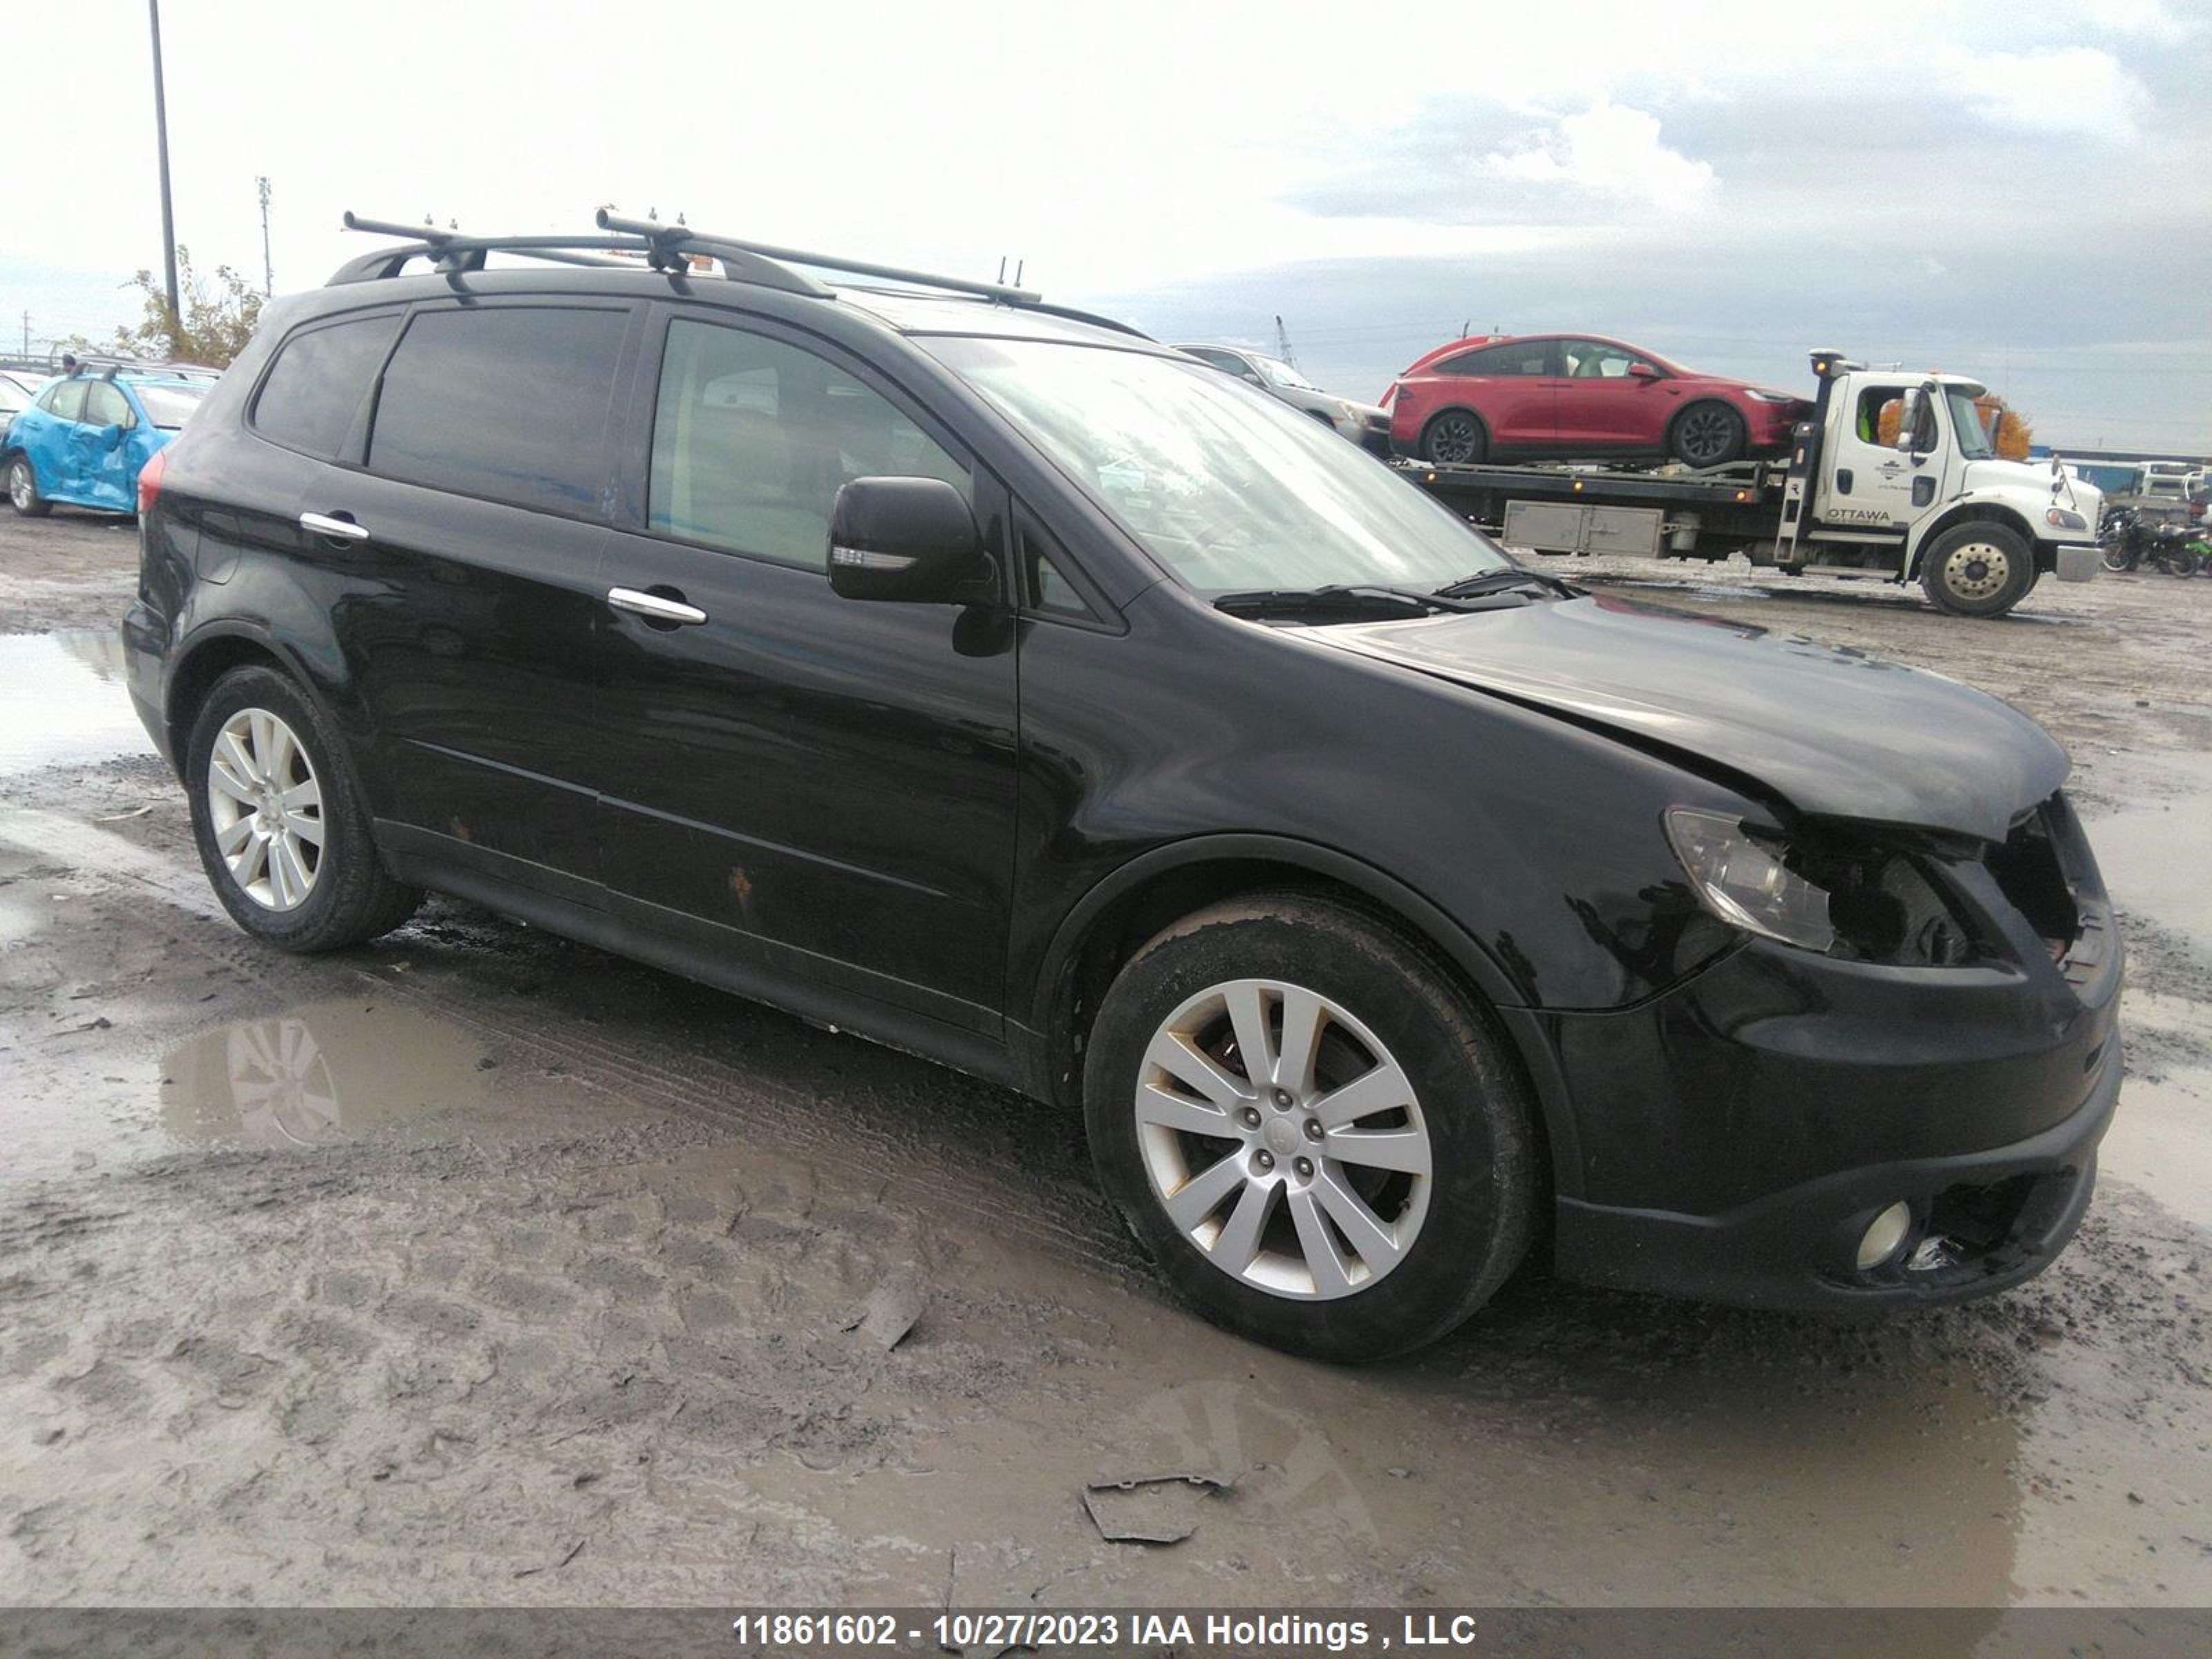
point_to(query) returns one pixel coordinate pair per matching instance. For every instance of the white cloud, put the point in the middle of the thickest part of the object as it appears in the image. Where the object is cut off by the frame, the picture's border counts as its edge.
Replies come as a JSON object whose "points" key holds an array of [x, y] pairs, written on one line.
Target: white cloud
{"points": [[2149, 18], [2076, 89], [1615, 150]]}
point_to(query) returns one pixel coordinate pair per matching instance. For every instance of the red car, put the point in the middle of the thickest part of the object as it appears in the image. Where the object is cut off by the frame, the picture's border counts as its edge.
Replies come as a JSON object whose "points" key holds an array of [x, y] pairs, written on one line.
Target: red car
{"points": [[1571, 397]]}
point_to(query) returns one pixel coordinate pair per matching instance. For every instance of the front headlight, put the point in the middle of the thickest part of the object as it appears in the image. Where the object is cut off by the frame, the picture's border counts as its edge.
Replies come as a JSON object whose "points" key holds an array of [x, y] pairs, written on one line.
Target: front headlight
{"points": [[1741, 878], [2059, 517], [1757, 395]]}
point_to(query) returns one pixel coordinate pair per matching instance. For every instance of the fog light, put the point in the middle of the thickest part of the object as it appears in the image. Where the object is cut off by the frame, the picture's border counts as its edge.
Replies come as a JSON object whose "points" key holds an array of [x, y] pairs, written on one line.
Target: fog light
{"points": [[1883, 1236]]}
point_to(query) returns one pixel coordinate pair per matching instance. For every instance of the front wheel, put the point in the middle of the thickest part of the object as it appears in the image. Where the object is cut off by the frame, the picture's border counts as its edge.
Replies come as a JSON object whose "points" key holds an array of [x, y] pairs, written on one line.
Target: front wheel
{"points": [[280, 824], [23, 490], [2115, 556], [1322, 1143], [1977, 569], [1707, 434]]}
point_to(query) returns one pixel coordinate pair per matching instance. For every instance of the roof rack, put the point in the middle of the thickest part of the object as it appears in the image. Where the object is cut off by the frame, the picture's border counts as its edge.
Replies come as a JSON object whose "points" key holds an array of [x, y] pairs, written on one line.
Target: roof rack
{"points": [[670, 249], [108, 366]]}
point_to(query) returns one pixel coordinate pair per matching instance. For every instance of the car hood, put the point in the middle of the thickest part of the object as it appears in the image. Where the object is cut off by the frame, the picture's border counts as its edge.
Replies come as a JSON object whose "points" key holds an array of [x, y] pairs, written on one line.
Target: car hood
{"points": [[1832, 731]]}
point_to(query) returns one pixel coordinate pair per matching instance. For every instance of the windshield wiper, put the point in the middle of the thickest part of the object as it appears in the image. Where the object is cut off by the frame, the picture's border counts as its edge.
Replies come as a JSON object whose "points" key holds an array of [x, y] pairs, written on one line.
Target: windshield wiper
{"points": [[1499, 581], [1342, 598]]}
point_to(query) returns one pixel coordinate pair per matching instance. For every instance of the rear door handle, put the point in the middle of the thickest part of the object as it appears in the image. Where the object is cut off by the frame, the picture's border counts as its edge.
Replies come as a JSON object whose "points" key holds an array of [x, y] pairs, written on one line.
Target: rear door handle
{"points": [[653, 606], [338, 529]]}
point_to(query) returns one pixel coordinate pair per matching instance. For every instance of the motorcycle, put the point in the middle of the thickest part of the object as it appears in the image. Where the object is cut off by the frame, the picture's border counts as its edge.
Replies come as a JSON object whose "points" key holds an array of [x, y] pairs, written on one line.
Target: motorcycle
{"points": [[2124, 542]]}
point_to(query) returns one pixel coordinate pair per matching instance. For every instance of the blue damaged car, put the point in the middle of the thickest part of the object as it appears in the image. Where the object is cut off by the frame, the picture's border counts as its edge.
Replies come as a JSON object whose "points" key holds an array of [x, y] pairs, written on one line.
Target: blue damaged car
{"points": [[83, 438]]}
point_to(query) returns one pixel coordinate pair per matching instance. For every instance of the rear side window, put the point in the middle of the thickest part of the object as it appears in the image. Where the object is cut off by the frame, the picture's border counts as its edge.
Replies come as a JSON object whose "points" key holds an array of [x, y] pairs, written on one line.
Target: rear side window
{"points": [[105, 406], [752, 438], [509, 403], [1529, 358], [316, 384]]}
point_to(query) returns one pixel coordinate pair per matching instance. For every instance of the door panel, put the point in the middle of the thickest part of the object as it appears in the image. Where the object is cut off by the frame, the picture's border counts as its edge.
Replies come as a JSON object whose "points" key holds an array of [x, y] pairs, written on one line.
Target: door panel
{"points": [[1513, 388], [1601, 406], [825, 786], [467, 623], [106, 448], [1868, 483]]}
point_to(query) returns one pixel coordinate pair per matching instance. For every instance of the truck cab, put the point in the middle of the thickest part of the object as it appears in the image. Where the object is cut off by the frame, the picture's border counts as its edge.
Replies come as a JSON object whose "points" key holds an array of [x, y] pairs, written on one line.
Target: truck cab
{"points": [[1896, 472]]}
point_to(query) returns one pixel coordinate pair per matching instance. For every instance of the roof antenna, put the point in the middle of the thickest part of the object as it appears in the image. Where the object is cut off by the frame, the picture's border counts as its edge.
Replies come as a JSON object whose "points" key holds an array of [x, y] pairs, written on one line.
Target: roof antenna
{"points": [[1283, 343]]}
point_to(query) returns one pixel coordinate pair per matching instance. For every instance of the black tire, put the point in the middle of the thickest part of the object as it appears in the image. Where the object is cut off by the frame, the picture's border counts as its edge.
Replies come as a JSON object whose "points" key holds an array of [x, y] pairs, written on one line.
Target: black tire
{"points": [[1978, 568], [1454, 437], [1707, 434], [1480, 1195], [2115, 558], [352, 897], [23, 488]]}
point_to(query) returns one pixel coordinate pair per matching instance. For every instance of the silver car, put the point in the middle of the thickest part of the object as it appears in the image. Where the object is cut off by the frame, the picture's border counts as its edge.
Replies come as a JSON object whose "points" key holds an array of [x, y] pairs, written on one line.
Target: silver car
{"points": [[1364, 423]]}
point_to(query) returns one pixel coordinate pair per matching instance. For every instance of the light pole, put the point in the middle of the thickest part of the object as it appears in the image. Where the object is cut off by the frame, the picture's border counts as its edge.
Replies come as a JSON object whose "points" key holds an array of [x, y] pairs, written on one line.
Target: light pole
{"points": [[267, 269], [162, 144]]}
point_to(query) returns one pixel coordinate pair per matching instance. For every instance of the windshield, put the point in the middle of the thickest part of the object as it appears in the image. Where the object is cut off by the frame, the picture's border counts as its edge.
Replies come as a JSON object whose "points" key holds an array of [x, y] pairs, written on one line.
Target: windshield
{"points": [[1227, 491], [1966, 421], [169, 406], [1278, 373]]}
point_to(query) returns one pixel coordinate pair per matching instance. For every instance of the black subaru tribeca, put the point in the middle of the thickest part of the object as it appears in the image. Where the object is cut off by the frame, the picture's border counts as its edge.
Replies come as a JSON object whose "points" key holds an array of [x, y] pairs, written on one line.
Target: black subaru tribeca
{"points": [[987, 679]]}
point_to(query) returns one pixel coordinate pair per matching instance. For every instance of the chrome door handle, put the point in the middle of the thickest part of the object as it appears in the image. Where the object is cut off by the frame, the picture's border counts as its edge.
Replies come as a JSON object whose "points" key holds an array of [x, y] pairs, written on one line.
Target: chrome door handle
{"points": [[654, 607], [338, 529]]}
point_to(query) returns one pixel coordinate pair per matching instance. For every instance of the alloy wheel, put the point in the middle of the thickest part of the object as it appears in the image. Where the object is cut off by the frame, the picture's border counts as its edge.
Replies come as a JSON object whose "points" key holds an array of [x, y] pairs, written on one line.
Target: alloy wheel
{"points": [[266, 807], [20, 490], [1453, 438], [1976, 570], [1704, 436], [1283, 1139]]}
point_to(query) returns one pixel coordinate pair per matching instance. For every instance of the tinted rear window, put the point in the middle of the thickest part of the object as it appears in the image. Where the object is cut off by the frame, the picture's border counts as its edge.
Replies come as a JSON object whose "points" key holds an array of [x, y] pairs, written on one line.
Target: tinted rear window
{"points": [[317, 383], [509, 403]]}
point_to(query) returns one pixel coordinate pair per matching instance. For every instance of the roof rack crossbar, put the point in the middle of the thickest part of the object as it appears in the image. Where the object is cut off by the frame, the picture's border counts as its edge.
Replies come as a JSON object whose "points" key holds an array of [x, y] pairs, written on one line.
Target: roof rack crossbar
{"points": [[684, 238], [454, 250]]}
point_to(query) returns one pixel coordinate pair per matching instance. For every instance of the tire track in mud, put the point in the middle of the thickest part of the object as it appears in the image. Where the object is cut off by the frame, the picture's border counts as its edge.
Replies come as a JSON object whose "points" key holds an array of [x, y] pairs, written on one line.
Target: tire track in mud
{"points": [[1073, 1222]]}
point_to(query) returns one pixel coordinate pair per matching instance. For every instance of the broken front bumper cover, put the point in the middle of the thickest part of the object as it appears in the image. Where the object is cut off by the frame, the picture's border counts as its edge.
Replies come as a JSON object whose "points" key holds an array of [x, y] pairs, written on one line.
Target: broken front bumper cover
{"points": [[1794, 1248]]}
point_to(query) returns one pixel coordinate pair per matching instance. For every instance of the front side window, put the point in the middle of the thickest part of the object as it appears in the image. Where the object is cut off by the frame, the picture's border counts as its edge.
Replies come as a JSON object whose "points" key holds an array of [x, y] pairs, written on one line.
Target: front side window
{"points": [[509, 403], [1594, 360], [316, 385], [66, 401], [1227, 491], [752, 438]]}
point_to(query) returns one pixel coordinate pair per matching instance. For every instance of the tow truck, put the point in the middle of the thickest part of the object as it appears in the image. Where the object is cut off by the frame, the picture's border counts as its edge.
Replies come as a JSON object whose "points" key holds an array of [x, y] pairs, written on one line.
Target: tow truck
{"points": [[1935, 505]]}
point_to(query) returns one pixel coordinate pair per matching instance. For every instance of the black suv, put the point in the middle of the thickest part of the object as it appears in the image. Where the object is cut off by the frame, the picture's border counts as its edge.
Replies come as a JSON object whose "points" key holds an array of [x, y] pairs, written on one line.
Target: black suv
{"points": [[985, 679]]}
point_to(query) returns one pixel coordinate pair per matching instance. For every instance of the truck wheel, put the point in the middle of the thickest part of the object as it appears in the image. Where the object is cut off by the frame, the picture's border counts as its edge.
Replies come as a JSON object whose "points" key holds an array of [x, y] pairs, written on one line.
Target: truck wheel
{"points": [[1454, 438], [281, 828], [1978, 568], [1707, 434], [1319, 1141], [23, 490]]}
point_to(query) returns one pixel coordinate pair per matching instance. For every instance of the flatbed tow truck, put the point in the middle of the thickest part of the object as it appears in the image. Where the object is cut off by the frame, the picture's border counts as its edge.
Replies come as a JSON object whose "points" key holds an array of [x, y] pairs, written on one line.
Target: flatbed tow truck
{"points": [[1935, 505]]}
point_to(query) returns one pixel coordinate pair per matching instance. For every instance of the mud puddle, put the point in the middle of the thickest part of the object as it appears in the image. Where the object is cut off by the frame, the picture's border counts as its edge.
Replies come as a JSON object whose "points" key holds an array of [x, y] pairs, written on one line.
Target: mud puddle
{"points": [[67, 701], [327, 1072], [344, 1069], [2162, 1138]]}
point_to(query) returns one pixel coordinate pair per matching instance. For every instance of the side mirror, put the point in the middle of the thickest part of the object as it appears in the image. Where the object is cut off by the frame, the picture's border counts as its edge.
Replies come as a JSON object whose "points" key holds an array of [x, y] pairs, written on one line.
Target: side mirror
{"points": [[1911, 415], [904, 539], [1642, 372]]}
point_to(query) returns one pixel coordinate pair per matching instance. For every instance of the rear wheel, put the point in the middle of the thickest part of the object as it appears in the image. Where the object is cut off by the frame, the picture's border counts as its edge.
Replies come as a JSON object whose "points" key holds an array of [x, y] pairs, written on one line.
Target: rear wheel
{"points": [[1322, 1143], [23, 488], [1454, 437], [1707, 434], [279, 820]]}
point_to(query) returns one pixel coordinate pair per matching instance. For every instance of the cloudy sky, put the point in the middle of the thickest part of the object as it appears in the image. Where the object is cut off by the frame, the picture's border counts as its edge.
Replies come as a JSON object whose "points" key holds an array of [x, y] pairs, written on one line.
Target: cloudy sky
{"points": [[2015, 190]]}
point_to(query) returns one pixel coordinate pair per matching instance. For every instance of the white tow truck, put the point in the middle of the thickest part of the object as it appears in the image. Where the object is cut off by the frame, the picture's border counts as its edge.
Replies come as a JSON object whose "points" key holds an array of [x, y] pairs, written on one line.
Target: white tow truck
{"points": [[1935, 505]]}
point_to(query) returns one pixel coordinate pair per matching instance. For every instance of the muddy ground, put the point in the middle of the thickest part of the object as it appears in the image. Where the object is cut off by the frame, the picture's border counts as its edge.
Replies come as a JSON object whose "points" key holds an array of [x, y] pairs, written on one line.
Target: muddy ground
{"points": [[477, 1267]]}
